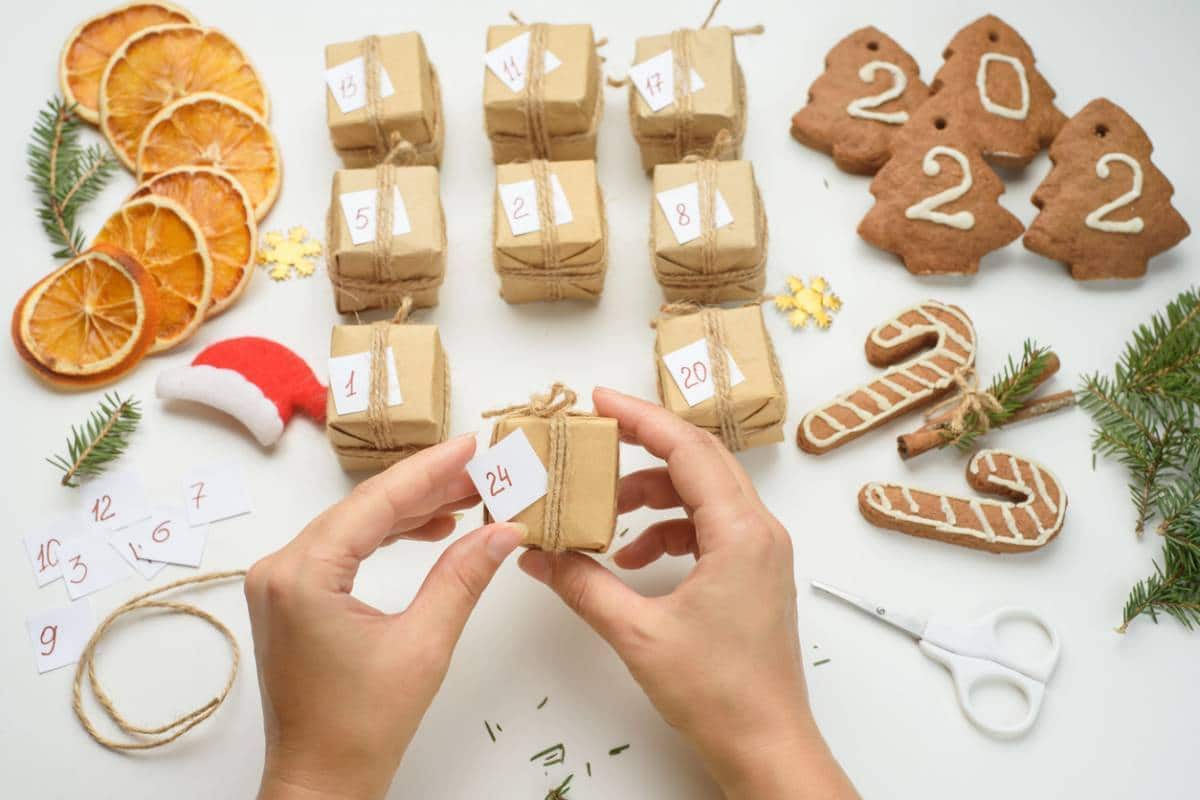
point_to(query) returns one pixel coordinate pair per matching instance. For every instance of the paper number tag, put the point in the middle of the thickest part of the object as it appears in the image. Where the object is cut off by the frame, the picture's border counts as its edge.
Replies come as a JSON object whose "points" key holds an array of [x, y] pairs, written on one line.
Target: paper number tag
{"points": [[681, 206], [59, 635], [348, 84], [359, 210], [350, 381], [44, 545], [113, 501], [508, 61], [128, 545], [88, 565], [655, 80], [167, 537], [215, 492], [520, 205], [509, 476], [692, 371]]}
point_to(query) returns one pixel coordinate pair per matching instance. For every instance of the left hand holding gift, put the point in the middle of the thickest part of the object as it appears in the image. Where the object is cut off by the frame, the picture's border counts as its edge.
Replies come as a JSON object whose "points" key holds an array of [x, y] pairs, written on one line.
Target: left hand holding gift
{"points": [[344, 685]]}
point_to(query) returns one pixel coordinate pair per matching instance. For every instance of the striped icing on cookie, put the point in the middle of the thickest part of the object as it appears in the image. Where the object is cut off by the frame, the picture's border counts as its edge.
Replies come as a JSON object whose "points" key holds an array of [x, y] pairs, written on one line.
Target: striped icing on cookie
{"points": [[904, 386], [1022, 524]]}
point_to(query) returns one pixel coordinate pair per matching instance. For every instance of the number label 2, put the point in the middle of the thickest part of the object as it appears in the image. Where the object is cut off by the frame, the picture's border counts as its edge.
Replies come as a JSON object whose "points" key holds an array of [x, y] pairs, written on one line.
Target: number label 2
{"points": [[1096, 220], [927, 209], [864, 107]]}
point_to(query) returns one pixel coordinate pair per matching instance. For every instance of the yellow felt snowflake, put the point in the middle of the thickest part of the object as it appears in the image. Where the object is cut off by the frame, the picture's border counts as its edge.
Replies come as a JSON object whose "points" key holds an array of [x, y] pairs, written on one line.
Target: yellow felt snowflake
{"points": [[812, 302], [292, 252]]}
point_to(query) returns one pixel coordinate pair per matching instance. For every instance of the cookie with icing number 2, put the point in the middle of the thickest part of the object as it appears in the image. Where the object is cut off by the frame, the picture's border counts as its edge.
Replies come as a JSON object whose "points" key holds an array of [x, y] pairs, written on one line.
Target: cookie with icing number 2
{"points": [[870, 87]]}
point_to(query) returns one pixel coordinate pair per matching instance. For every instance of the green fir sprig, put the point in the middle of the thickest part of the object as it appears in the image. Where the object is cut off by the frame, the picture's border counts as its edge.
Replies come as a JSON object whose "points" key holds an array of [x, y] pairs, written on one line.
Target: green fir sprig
{"points": [[65, 174], [560, 791], [1011, 388], [1146, 419], [92, 446]]}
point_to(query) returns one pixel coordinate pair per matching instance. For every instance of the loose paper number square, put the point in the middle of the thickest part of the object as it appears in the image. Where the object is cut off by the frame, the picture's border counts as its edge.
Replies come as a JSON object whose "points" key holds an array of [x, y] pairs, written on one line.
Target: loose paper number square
{"points": [[509, 476]]}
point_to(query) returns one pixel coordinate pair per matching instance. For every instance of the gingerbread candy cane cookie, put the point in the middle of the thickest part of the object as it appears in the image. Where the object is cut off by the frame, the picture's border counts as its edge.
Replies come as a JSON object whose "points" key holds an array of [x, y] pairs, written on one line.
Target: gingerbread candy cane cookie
{"points": [[906, 386], [1031, 515]]}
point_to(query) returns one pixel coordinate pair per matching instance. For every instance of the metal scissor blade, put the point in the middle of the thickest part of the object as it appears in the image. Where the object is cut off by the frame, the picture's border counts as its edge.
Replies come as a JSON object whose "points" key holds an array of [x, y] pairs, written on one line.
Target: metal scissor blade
{"points": [[905, 622]]}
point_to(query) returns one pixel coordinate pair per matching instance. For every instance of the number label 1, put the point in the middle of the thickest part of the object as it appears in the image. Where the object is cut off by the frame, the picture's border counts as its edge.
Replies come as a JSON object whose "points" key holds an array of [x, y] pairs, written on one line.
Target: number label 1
{"points": [[351, 377]]}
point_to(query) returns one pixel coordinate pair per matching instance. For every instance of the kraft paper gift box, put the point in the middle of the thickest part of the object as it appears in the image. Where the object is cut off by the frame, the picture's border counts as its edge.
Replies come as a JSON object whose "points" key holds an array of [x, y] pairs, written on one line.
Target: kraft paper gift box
{"points": [[378, 437], [730, 263], [672, 133], [407, 124], [568, 264], [753, 413], [587, 499], [557, 121], [378, 273]]}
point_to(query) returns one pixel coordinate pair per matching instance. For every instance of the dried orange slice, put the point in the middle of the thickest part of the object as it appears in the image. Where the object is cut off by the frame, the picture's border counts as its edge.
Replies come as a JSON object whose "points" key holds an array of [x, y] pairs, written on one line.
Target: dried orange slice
{"points": [[160, 64], [88, 322], [88, 48], [225, 215], [207, 129], [164, 238]]}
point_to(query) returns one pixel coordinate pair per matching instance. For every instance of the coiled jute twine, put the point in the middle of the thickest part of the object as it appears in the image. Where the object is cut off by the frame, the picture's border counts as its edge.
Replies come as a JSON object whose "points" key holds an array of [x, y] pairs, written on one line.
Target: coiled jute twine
{"points": [[381, 290], [537, 138], [730, 428], [555, 407], [147, 738], [390, 146], [383, 445]]}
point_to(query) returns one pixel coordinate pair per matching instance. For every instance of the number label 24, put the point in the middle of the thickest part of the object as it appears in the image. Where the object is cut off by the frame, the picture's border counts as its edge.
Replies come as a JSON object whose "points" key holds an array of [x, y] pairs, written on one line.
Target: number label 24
{"points": [[497, 477]]}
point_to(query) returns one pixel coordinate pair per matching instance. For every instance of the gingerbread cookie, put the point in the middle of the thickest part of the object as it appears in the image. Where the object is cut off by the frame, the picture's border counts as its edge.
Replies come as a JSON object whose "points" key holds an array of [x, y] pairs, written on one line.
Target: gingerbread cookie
{"points": [[868, 90], [943, 339], [1105, 208], [1032, 515], [1010, 103], [936, 199]]}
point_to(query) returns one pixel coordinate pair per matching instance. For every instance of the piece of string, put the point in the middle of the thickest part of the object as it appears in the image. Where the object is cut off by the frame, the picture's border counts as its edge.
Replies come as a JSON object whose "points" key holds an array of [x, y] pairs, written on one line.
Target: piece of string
{"points": [[969, 399], [554, 407], [548, 225], [163, 734], [533, 93], [381, 253], [378, 424], [390, 147]]}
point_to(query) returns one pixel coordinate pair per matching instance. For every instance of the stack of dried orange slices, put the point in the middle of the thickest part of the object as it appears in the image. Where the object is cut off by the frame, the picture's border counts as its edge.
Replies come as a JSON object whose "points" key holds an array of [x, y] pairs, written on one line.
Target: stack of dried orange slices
{"points": [[184, 109]]}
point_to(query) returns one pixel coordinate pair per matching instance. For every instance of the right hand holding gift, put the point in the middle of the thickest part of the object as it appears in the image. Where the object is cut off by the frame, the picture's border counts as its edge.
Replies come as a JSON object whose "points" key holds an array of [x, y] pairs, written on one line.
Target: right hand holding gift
{"points": [[742, 701]]}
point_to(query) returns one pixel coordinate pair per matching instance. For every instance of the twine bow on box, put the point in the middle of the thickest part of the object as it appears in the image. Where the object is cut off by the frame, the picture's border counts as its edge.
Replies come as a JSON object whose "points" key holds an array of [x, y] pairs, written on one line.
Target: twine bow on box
{"points": [[555, 407], [390, 146]]}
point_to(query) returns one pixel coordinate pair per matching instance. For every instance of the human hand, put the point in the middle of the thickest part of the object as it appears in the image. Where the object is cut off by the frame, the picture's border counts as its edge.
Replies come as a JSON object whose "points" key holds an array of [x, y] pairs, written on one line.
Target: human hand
{"points": [[344, 686], [720, 656]]}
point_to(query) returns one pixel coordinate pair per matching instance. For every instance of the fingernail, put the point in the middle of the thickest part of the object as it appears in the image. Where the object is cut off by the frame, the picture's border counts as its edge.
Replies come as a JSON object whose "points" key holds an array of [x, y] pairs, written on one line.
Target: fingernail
{"points": [[470, 435], [504, 540], [536, 565]]}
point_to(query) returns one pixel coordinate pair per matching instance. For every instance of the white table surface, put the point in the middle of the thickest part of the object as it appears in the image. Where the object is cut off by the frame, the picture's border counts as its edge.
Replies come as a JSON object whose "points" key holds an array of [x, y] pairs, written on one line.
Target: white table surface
{"points": [[1120, 716]]}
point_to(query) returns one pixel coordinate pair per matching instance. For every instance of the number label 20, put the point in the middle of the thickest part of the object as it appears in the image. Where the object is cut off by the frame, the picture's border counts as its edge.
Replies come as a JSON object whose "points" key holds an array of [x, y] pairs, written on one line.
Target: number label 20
{"points": [[694, 375]]}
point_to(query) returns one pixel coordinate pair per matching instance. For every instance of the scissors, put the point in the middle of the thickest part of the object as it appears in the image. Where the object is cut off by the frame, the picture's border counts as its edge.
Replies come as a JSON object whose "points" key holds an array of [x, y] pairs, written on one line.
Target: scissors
{"points": [[974, 656]]}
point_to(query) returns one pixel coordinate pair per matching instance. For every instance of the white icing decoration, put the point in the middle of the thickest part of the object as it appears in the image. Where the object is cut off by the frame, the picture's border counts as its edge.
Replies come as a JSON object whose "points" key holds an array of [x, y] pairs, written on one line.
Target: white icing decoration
{"points": [[878, 399], [926, 209], [908, 498], [862, 107], [900, 334], [1095, 220], [990, 105], [877, 497]]}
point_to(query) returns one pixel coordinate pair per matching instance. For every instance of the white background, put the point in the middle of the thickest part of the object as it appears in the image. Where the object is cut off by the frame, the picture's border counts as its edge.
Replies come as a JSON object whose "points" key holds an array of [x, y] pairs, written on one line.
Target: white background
{"points": [[1120, 716]]}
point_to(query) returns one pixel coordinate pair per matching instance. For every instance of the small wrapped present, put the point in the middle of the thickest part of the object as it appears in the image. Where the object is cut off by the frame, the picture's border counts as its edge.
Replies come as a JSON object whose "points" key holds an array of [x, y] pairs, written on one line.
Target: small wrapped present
{"points": [[384, 103], [536, 258], [370, 267], [687, 115], [709, 231], [740, 398], [541, 92], [581, 455], [389, 392]]}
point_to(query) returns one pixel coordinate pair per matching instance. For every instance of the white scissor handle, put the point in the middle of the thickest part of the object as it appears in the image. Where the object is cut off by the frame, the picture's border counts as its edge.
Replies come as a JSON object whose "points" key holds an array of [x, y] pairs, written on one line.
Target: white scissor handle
{"points": [[968, 673], [980, 639]]}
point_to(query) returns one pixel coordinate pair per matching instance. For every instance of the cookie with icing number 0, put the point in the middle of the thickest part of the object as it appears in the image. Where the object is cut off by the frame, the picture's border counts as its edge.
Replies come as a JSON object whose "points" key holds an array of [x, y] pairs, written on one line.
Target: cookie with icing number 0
{"points": [[924, 346], [868, 90], [1030, 515]]}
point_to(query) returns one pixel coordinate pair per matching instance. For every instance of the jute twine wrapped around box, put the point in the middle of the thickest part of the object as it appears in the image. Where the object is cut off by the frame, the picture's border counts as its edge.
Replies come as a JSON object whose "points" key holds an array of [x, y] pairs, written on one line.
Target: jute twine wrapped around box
{"points": [[391, 147], [731, 431], [555, 407], [683, 139], [388, 291], [384, 447], [536, 140], [552, 272], [707, 283]]}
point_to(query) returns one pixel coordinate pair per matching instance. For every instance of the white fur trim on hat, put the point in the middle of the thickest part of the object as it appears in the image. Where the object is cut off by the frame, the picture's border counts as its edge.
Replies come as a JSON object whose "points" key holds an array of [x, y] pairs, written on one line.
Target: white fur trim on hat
{"points": [[226, 390]]}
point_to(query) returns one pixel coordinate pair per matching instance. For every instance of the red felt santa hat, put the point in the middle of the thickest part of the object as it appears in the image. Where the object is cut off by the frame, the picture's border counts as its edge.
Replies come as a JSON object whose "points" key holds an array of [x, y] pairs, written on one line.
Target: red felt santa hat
{"points": [[257, 381]]}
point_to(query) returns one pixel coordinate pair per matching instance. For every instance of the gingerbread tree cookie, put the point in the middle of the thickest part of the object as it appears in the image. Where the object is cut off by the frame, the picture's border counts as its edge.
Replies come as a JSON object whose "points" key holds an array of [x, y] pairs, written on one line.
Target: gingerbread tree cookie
{"points": [[936, 199], [1011, 104], [1105, 208], [868, 90]]}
